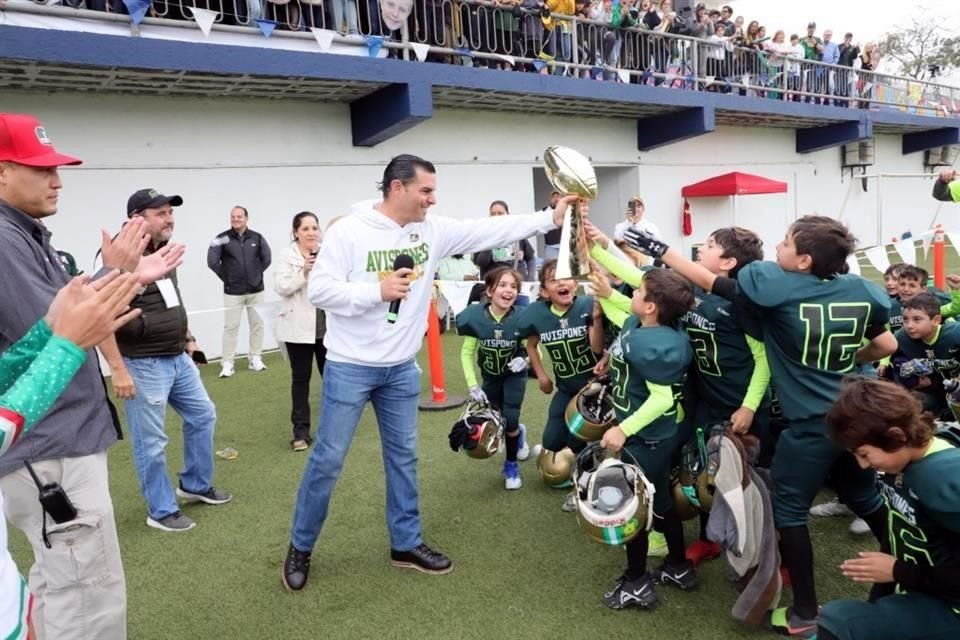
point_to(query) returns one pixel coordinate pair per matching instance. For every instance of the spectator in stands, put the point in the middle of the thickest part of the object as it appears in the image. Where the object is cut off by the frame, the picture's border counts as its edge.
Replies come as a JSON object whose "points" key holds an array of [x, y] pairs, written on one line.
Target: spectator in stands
{"points": [[634, 218], [779, 50], [519, 256], [157, 349], [726, 21], [717, 56], [557, 42], [830, 54], [551, 239], [794, 78], [507, 24], [812, 50], [344, 16], [868, 61], [702, 26], [77, 576], [300, 326], [848, 56], [239, 256]]}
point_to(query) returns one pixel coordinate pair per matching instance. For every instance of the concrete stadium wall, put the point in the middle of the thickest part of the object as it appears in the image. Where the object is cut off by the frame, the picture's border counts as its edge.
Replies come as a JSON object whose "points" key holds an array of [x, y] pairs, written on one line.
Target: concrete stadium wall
{"points": [[280, 158]]}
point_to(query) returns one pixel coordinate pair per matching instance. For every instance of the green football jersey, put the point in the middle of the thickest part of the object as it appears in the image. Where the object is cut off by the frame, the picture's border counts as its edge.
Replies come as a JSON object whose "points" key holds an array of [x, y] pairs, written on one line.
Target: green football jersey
{"points": [[660, 355], [896, 314], [812, 329], [565, 338], [924, 504], [724, 362], [497, 340], [943, 354]]}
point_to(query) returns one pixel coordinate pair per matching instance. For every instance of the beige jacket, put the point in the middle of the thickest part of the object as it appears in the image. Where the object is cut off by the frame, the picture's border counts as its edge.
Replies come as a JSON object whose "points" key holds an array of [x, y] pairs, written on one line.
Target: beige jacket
{"points": [[297, 321]]}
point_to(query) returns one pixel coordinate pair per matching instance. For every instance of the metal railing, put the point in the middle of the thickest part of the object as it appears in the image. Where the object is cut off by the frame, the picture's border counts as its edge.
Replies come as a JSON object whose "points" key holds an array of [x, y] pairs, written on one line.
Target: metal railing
{"points": [[516, 34]]}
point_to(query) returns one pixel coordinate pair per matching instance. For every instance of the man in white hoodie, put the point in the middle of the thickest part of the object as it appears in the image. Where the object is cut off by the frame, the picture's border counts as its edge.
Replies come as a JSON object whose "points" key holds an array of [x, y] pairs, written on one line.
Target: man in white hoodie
{"points": [[369, 359]]}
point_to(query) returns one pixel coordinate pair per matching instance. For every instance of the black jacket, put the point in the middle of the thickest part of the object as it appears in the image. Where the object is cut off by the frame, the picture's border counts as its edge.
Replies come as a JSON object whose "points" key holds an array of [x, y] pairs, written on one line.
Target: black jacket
{"points": [[158, 331], [239, 263]]}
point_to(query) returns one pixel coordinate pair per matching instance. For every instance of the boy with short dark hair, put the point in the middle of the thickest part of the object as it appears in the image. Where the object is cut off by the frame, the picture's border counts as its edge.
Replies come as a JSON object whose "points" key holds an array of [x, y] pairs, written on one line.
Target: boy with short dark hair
{"points": [[930, 348], [647, 361], [912, 280], [814, 322], [916, 575]]}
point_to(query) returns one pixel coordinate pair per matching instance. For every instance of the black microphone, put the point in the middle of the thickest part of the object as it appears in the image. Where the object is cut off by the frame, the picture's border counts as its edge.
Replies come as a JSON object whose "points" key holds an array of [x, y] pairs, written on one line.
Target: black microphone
{"points": [[402, 261]]}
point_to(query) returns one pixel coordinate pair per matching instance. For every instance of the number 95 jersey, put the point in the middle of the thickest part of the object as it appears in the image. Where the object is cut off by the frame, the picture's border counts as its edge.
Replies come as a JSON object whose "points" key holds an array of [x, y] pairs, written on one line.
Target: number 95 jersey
{"points": [[565, 337], [812, 329]]}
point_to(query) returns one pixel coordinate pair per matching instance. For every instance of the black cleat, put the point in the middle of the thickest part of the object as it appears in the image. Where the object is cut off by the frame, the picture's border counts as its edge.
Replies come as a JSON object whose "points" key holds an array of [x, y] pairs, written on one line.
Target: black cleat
{"points": [[631, 593], [680, 575]]}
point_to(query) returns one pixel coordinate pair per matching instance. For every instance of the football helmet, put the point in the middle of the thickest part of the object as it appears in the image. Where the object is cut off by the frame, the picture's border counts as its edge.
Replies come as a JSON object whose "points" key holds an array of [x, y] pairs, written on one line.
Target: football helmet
{"points": [[555, 467], [684, 497], [590, 412], [614, 499], [479, 431], [697, 472]]}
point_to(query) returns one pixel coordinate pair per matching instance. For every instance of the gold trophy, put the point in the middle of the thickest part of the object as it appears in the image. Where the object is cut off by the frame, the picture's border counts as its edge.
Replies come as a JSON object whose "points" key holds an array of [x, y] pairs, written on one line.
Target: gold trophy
{"points": [[571, 173]]}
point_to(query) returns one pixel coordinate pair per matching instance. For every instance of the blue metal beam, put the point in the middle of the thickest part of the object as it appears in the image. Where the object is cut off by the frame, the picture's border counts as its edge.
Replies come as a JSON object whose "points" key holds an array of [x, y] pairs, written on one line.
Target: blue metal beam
{"points": [[389, 111], [923, 140], [661, 130], [834, 135]]}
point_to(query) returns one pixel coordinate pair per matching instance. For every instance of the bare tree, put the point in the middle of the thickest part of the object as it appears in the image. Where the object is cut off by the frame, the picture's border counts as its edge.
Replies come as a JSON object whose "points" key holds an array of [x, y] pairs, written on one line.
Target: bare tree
{"points": [[921, 45]]}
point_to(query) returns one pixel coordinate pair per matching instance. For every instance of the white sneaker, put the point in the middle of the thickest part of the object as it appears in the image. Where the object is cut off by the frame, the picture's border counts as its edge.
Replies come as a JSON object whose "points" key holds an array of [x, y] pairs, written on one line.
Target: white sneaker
{"points": [[256, 364], [830, 509], [524, 451], [859, 527], [570, 503], [226, 369]]}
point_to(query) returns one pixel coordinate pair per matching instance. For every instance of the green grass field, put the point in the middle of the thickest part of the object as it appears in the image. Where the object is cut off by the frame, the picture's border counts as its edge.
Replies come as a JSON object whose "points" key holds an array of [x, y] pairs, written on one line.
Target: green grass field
{"points": [[523, 568]]}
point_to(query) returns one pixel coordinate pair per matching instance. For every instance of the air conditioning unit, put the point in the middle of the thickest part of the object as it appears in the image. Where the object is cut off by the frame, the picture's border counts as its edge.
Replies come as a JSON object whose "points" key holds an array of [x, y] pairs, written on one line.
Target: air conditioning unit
{"points": [[857, 154], [944, 156]]}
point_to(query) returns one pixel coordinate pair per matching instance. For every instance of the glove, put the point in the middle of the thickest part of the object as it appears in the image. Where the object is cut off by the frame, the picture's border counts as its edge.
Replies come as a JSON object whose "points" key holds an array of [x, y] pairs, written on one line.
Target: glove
{"points": [[645, 243], [518, 365], [477, 395], [459, 435]]}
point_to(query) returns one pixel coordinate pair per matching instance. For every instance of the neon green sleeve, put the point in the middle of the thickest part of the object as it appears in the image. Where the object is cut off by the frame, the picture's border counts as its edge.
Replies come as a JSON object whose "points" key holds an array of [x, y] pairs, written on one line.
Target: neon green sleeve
{"points": [[614, 314], [468, 354], [955, 190], [623, 270], [761, 375], [952, 308], [621, 301], [659, 402]]}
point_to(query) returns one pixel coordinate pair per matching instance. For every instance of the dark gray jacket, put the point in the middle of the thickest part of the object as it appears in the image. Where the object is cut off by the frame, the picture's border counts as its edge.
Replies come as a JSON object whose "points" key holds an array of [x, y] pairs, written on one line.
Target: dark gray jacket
{"points": [[82, 421], [239, 262]]}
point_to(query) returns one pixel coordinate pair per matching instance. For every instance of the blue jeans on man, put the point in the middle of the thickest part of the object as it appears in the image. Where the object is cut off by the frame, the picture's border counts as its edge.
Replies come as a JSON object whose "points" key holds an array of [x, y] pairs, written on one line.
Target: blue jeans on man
{"points": [[172, 380], [393, 391]]}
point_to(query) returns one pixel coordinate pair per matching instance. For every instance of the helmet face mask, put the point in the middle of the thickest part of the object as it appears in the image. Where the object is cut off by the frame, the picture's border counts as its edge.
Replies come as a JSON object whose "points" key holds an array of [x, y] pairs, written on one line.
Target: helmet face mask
{"points": [[487, 427], [695, 477], [590, 413], [614, 499]]}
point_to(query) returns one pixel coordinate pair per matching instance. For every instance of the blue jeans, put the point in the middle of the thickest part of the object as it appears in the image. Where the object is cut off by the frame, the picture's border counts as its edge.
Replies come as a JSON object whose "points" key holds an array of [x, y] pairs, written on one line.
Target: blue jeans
{"points": [[172, 380], [393, 391]]}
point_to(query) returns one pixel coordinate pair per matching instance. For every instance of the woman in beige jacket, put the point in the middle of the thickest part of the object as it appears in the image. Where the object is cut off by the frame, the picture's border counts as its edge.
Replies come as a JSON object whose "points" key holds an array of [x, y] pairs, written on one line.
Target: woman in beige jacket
{"points": [[300, 326]]}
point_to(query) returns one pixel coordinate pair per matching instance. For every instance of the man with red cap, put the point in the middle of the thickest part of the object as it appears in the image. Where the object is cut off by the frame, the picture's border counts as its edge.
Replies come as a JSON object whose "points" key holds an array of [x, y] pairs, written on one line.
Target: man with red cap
{"points": [[77, 577]]}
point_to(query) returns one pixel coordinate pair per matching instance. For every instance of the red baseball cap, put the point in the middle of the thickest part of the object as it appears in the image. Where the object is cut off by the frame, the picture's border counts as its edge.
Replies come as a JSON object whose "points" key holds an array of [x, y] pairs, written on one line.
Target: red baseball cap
{"points": [[24, 140]]}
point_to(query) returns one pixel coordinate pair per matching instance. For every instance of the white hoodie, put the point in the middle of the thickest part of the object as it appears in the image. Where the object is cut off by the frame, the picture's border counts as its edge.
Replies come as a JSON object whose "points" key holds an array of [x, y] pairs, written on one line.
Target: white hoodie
{"points": [[358, 252]]}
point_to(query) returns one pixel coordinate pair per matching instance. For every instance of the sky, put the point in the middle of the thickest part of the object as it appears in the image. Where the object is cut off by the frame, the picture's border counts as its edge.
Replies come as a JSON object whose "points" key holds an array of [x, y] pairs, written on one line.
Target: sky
{"points": [[866, 19]]}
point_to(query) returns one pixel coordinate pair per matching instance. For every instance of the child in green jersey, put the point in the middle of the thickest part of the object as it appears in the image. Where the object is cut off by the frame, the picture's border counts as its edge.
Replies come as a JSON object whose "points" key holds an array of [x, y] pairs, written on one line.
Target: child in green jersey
{"points": [[491, 340], [647, 361], [924, 339], [916, 575], [563, 323], [818, 323]]}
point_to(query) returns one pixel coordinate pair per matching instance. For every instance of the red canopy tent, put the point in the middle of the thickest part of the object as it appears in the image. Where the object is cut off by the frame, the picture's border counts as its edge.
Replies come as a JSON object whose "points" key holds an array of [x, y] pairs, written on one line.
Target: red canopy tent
{"points": [[729, 184]]}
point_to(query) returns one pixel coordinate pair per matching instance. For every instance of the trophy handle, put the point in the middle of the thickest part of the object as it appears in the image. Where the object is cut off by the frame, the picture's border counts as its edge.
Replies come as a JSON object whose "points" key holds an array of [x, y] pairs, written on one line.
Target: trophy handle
{"points": [[573, 262]]}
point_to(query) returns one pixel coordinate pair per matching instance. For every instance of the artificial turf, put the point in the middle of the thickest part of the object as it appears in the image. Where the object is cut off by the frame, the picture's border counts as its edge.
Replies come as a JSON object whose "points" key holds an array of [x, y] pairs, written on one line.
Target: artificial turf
{"points": [[523, 568]]}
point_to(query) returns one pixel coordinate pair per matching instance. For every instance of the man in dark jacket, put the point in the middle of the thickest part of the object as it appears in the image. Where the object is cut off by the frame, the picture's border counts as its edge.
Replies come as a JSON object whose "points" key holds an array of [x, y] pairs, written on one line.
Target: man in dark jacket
{"points": [[157, 349], [239, 256]]}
